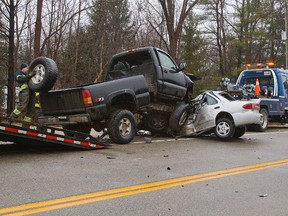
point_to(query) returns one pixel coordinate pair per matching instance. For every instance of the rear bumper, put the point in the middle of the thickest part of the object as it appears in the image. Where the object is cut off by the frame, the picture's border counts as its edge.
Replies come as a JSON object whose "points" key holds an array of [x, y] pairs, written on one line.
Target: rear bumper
{"points": [[61, 120], [248, 118]]}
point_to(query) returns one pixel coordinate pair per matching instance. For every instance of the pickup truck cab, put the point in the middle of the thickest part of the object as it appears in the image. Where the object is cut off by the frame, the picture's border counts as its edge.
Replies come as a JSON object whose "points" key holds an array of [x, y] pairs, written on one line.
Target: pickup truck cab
{"points": [[169, 86], [273, 92], [166, 79]]}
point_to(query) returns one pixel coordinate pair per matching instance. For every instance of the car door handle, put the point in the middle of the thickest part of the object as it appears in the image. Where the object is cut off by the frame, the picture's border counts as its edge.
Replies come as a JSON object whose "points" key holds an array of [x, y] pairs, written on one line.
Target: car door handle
{"points": [[217, 107]]}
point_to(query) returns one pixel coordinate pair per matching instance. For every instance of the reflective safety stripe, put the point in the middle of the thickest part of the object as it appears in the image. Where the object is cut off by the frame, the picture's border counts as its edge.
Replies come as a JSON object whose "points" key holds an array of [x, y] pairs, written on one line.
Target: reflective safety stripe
{"points": [[24, 86], [17, 112], [37, 105], [27, 119], [18, 77]]}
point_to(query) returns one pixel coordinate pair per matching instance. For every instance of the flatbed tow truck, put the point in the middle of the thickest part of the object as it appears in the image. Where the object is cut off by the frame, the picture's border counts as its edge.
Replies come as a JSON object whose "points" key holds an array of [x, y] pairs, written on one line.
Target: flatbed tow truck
{"points": [[18, 131]]}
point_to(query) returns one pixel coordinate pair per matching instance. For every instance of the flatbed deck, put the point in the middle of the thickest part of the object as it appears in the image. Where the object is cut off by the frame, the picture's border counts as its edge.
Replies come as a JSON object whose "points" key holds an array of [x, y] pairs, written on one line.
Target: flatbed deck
{"points": [[21, 132]]}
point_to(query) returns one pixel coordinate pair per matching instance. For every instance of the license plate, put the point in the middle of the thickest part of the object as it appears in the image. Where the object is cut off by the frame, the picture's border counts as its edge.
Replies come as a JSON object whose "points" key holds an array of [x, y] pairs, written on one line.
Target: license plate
{"points": [[62, 117]]}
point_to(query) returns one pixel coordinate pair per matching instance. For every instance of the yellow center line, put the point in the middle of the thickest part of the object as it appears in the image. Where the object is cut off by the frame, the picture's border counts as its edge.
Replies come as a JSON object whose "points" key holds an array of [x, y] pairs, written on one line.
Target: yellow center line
{"points": [[50, 205]]}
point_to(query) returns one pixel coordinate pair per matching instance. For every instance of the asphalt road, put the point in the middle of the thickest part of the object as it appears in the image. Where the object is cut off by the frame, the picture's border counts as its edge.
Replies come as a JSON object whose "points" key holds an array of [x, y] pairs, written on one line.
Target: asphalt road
{"points": [[188, 176]]}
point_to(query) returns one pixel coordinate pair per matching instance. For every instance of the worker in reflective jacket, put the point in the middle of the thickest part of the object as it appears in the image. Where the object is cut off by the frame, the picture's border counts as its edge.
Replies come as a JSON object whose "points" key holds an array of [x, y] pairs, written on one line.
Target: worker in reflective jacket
{"points": [[26, 96]]}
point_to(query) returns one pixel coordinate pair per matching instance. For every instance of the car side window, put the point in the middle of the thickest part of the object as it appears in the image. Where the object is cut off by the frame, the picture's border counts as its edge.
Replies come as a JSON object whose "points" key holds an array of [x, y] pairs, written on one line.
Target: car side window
{"points": [[211, 100], [166, 61]]}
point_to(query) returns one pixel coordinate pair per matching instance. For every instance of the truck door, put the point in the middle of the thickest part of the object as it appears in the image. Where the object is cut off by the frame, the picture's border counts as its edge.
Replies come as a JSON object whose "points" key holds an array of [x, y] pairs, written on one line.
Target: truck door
{"points": [[172, 82], [285, 89]]}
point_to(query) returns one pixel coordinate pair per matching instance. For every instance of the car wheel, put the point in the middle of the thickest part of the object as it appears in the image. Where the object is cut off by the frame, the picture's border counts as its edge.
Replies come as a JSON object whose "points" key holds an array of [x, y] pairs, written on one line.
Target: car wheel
{"points": [[179, 117], [264, 125], [224, 128], [121, 126], [84, 130], [45, 74], [239, 131], [156, 122]]}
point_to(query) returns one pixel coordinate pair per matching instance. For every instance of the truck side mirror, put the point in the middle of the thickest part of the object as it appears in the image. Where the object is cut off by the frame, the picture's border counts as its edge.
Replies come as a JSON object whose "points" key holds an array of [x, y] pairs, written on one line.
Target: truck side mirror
{"points": [[181, 67]]}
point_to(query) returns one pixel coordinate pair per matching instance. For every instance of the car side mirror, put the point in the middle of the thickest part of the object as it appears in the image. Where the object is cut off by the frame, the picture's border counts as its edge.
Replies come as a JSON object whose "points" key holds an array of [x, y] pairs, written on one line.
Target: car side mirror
{"points": [[181, 67]]}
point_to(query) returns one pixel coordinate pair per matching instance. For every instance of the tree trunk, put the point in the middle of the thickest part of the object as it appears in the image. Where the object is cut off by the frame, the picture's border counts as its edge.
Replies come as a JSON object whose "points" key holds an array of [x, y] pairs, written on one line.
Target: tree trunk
{"points": [[175, 29], [38, 28], [11, 82]]}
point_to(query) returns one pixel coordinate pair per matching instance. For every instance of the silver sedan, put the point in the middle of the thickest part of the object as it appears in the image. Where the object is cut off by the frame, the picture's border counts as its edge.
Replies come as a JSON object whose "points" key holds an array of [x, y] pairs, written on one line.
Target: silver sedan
{"points": [[219, 112]]}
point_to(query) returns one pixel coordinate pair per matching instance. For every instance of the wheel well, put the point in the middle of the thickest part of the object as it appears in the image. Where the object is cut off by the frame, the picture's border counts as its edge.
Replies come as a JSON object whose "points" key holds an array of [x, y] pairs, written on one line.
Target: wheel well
{"points": [[189, 93], [224, 115], [124, 101]]}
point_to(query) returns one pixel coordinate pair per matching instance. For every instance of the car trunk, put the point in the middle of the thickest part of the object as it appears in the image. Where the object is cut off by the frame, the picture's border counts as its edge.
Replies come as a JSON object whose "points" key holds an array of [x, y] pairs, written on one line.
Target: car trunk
{"points": [[67, 101]]}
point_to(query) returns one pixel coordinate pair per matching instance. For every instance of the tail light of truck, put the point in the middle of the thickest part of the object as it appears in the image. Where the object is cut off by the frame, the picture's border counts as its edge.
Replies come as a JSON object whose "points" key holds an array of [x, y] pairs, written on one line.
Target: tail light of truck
{"points": [[253, 106], [87, 99]]}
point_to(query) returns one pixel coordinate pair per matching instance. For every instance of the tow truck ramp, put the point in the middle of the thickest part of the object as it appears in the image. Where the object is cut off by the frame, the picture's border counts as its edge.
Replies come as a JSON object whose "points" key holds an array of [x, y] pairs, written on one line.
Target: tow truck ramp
{"points": [[22, 132]]}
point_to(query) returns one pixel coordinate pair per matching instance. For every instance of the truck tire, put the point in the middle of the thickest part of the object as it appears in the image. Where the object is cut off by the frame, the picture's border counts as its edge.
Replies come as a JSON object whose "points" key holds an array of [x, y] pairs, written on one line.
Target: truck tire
{"points": [[121, 126], [224, 129], [84, 129], [264, 125], [239, 131], [45, 70], [179, 117], [156, 122]]}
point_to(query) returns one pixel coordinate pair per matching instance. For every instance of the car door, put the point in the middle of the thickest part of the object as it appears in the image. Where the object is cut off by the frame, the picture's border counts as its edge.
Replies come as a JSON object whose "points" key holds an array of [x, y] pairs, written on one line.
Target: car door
{"points": [[206, 116], [172, 82]]}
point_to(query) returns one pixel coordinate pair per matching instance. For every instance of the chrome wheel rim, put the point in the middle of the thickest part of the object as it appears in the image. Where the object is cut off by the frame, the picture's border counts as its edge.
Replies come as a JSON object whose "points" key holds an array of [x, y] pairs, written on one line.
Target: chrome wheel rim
{"points": [[223, 129], [39, 72], [125, 127]]}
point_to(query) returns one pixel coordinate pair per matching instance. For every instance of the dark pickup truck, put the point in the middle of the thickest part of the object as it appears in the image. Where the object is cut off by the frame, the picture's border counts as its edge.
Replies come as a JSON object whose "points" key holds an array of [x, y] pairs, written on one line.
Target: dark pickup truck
{"points": [[144, 81]]}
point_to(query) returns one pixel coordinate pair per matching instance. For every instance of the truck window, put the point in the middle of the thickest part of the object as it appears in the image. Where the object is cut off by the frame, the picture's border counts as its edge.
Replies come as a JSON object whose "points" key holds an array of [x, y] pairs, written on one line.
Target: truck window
{"points": [[166, 61], [266, 85], [262, 81], [284, 80], [133, 59]]}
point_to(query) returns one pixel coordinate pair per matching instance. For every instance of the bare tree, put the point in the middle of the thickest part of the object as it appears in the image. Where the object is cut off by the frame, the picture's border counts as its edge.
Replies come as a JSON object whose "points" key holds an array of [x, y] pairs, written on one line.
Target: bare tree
{"points": [[221, 35], [14, 24], [110, 30], [8, 12], [174, 15], [78, 26], [38, 28]]}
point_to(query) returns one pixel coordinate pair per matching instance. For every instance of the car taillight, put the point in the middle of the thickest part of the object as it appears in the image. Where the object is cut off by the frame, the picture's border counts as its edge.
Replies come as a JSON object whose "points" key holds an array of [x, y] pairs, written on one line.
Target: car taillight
{"points": [[253, 106], [87, 99]]}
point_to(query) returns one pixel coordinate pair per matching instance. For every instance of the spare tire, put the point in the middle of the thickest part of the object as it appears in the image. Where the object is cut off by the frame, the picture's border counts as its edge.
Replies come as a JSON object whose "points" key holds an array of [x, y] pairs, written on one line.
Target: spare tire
{"points": [[45, 74]]}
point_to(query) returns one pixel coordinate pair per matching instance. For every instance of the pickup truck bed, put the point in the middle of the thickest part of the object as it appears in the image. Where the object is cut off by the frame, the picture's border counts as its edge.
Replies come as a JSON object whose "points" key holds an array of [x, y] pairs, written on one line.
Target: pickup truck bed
{"points": [[71, 101], [108, 104]]}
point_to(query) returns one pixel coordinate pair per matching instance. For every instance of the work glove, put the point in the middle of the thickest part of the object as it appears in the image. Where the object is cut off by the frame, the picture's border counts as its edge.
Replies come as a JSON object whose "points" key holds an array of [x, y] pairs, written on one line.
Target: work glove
{"points": [[32, 73]]}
